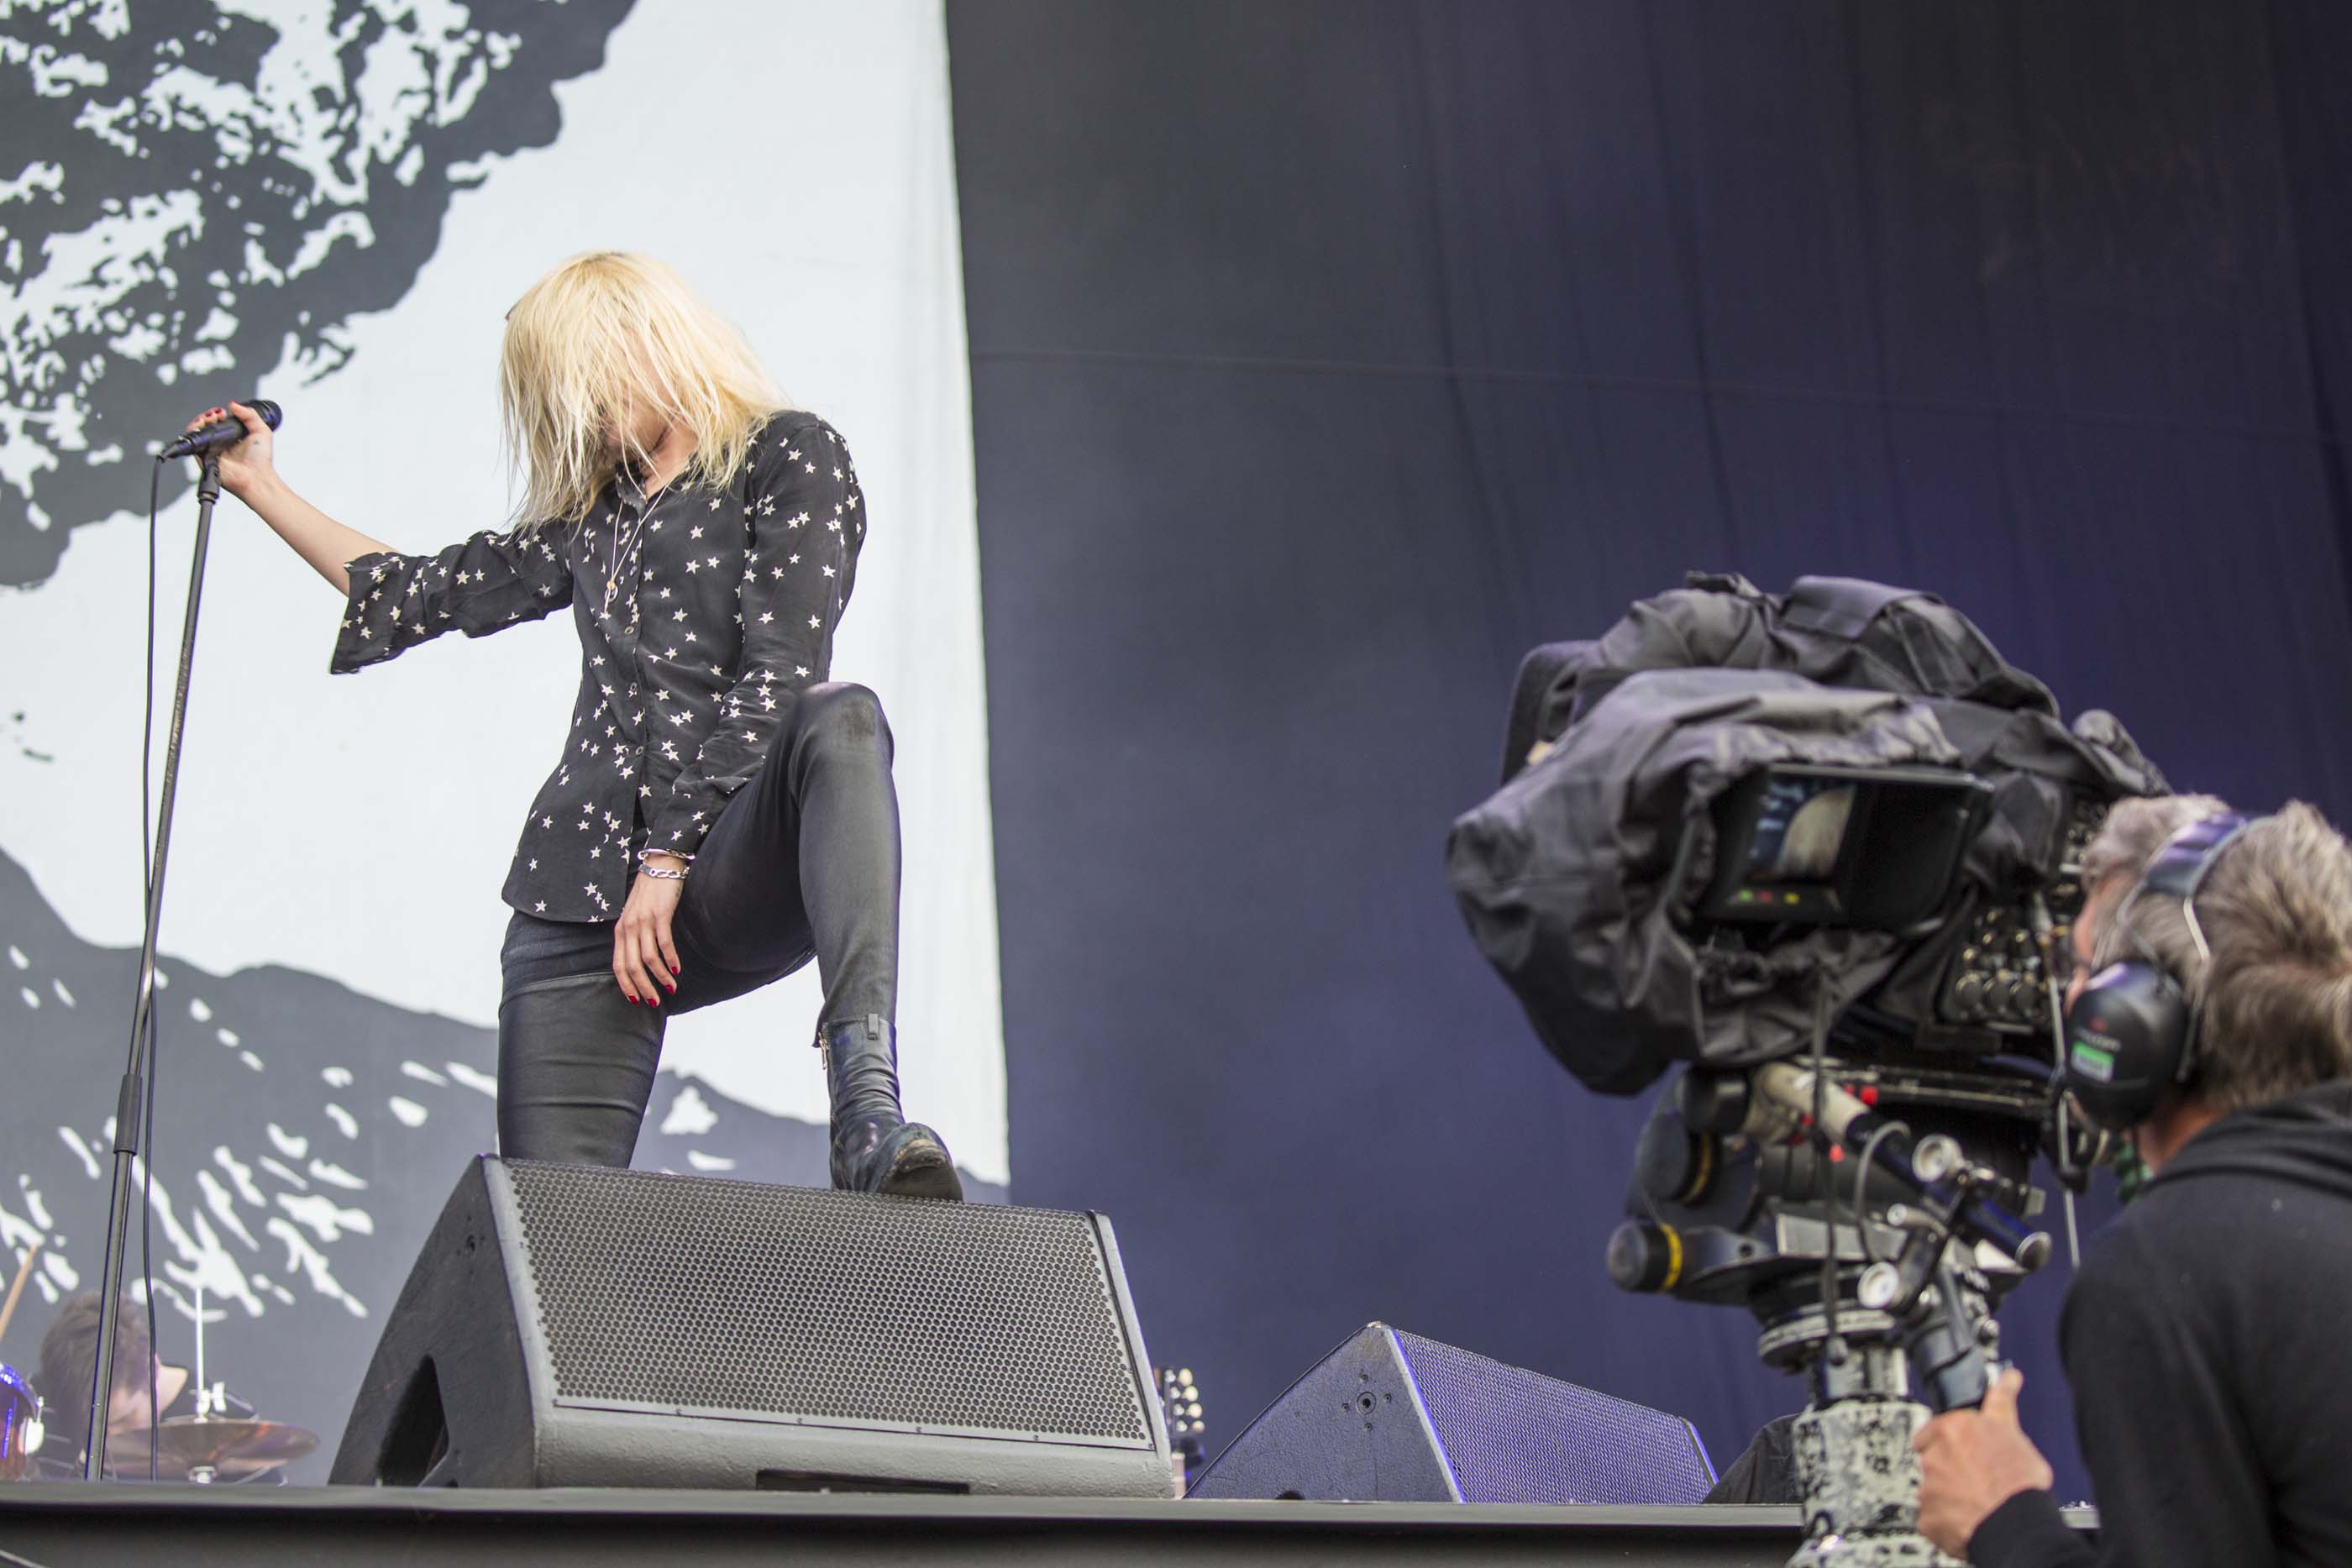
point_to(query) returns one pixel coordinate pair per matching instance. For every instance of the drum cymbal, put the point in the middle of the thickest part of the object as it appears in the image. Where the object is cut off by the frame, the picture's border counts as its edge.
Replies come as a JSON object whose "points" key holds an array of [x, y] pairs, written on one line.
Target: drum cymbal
{"points": [[185, 1444]]}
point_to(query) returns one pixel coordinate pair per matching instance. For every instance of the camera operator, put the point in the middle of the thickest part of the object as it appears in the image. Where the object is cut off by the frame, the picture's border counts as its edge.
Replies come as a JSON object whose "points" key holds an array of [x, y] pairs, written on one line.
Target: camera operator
{"points": [[2204, 1337]]}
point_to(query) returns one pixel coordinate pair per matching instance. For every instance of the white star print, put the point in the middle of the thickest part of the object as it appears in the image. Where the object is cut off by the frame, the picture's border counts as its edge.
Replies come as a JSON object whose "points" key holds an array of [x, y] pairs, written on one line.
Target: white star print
{"points": [[557, 568]]}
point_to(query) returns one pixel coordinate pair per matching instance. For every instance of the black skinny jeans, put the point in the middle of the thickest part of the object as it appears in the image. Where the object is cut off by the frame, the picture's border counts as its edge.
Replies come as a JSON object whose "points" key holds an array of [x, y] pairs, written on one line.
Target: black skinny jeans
{"points": [[803, 862]]}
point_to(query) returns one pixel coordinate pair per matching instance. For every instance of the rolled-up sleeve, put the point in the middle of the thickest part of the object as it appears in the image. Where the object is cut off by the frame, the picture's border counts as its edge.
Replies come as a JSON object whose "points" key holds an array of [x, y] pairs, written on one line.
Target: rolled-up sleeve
{"points": [[482, 585]]}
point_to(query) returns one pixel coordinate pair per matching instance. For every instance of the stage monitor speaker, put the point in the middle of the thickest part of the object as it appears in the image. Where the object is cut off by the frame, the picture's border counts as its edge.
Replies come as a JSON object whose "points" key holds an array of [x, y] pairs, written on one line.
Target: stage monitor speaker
{"points": [[1390, 1416], [570, 1325]]}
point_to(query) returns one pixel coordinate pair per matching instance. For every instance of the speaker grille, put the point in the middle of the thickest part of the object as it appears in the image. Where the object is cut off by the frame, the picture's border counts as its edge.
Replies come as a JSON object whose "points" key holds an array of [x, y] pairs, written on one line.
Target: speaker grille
{"points": [[712, 1296], [1512, 1435]]}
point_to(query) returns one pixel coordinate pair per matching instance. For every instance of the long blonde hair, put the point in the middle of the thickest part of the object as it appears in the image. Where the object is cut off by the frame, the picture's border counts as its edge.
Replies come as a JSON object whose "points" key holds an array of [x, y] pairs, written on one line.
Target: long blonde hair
{"points": [[599, 338]]}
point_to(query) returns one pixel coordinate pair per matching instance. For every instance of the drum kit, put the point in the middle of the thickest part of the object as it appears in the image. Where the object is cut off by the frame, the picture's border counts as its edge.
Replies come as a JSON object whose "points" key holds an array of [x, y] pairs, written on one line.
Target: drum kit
{"points": [[203, 1449]]}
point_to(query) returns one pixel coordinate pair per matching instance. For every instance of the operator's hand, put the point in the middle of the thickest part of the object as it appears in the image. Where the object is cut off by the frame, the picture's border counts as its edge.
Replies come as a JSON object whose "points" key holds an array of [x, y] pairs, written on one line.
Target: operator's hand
{"points": [[643, 958], [252, 461], [1972, 1461]]}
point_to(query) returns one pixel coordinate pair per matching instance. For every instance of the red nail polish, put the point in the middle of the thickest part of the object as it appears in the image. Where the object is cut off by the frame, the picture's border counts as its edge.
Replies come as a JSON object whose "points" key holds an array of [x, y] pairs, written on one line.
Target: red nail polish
{"points": [[675, 971], [632, 998]]}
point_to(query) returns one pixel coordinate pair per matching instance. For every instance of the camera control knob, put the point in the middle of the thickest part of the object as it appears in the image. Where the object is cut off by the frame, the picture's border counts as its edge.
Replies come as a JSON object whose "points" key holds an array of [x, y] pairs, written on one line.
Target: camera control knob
{"points": [[1644, 1256], [1674, 1165], [1879, 1286], [1713, 1102], [2018, 997], [1936, 1157], [1970, 996]]}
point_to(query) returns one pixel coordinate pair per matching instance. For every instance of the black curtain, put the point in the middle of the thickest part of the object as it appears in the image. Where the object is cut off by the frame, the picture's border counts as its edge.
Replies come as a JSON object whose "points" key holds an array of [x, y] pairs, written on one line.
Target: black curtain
{"points": [[1327, 354]]}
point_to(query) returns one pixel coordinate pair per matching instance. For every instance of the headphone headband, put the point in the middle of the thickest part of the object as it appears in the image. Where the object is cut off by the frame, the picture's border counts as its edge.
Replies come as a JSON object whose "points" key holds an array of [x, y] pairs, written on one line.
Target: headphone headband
{"points": [[2182, 867]]}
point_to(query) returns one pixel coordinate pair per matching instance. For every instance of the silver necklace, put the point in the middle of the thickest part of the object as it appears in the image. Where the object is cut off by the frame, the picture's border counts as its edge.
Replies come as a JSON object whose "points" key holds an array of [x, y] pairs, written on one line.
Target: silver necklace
{"points": [[620, 549]]}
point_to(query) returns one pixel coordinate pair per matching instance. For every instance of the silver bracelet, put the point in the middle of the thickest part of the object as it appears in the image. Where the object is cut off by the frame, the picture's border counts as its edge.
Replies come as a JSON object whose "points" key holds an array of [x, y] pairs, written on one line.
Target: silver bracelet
{"points": [[662, 873]]}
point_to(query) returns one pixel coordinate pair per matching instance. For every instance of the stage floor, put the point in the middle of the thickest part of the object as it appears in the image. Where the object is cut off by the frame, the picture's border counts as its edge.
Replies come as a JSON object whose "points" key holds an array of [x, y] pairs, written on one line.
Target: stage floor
{"points": [[72, 1526]]}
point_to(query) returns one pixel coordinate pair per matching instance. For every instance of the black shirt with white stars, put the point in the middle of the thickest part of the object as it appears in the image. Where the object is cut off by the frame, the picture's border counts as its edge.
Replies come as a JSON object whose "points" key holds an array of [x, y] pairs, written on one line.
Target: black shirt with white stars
{"points": [[700, 616]]}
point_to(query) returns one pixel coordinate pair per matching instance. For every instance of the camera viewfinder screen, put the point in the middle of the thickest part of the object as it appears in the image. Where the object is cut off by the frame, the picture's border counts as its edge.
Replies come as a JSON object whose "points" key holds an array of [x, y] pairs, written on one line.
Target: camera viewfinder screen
{"points": [[1799, 830]]}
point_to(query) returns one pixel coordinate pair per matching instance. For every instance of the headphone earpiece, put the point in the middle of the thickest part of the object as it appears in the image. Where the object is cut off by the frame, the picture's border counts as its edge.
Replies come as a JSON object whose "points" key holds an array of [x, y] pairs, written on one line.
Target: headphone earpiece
{"points": [[2127, 1038], [2132, 1034]]}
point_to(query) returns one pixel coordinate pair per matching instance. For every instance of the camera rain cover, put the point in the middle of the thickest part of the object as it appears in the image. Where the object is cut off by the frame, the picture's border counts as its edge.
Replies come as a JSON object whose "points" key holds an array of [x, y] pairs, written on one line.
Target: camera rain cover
{"points": [[1579, 878]]}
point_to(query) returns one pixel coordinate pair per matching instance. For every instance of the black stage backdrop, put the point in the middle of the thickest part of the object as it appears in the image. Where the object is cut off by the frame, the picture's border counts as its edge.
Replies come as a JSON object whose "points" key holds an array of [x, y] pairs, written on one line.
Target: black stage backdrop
{"points": [[1328, 355]]}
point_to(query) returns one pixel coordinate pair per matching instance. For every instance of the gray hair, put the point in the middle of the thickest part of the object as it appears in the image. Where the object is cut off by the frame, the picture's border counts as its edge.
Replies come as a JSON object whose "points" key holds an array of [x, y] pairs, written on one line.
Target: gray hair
{"points": [[2277, 911]]}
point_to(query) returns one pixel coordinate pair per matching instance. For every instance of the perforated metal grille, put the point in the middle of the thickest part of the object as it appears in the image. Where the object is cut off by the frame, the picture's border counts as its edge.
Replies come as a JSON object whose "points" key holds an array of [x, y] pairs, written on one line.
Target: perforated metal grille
{"points": [[1513, 1437], [700, 1295]]}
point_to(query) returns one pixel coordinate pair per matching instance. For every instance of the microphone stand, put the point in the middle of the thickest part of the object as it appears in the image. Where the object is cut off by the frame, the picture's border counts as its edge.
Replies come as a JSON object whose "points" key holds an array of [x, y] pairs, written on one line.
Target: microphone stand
{"points": [[129, 1122]]}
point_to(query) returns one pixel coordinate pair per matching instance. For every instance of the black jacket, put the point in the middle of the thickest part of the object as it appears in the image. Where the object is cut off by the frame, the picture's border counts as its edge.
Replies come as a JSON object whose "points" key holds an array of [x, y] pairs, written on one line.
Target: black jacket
{"points": [[2206, 1341], [701, 615]]}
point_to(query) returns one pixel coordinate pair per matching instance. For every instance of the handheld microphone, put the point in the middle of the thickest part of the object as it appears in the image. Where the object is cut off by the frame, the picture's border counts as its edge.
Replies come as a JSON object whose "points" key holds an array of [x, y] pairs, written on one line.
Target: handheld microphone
{"points": [[220, 433]]}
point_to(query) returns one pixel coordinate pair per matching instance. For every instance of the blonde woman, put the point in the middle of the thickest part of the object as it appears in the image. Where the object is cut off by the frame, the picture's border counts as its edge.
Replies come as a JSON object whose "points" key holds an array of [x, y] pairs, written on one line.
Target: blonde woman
{"points": [[721, 812]]}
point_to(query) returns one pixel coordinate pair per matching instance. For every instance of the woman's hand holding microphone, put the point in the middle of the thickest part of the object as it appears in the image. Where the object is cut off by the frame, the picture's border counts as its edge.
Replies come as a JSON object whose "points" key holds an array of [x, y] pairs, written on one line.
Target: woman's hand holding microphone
{"points": [[248, 465]]}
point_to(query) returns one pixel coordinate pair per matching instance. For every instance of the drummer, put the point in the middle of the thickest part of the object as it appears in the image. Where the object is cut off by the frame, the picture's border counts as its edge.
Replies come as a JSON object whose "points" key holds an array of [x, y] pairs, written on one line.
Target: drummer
{"points": [[69, 1362]]}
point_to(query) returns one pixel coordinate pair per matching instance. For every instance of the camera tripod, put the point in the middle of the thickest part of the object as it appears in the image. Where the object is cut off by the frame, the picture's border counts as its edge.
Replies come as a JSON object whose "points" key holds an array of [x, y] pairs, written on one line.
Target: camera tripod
{"points": [[1912, 1299], [1871, 1254]]}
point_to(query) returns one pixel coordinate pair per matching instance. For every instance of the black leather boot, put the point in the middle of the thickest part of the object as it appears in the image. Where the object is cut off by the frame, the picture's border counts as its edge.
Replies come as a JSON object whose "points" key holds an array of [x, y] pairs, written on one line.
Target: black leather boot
{"points": [[874, 1147]]}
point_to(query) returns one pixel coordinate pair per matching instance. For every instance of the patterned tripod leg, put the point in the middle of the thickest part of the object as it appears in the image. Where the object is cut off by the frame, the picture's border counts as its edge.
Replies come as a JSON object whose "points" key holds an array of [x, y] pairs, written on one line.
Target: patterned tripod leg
{"points": [[1859, 1485]]}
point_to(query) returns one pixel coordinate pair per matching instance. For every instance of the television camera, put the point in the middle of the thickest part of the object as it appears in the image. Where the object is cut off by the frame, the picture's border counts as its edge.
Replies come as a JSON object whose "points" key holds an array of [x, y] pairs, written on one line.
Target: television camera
{"points": [[1814, 851]]}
